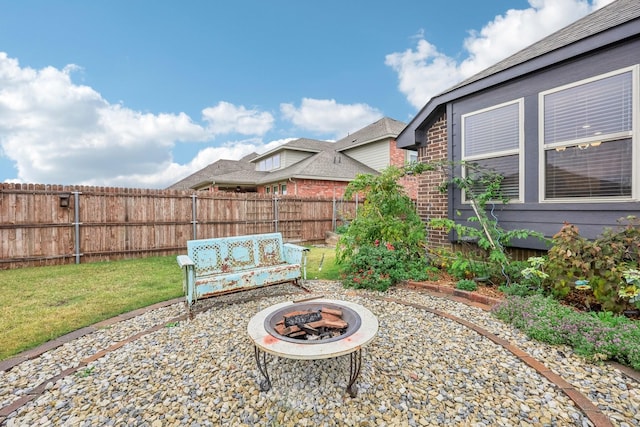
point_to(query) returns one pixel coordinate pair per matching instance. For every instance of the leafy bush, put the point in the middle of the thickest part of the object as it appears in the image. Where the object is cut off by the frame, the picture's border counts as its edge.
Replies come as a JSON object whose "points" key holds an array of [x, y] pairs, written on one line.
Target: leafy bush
{"points": [[387, 214], [466, 285], [380, 266], [601, 263], [596, 336], [386, 242]]}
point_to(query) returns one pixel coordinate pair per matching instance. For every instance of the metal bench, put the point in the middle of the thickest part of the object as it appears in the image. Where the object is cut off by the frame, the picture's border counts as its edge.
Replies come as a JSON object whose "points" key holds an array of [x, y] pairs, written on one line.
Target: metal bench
{"points": [[230, 264]]}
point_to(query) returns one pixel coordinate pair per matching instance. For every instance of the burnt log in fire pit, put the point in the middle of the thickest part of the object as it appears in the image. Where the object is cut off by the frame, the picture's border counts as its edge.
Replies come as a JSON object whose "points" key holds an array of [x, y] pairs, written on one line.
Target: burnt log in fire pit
{"points": [[312, 322]]}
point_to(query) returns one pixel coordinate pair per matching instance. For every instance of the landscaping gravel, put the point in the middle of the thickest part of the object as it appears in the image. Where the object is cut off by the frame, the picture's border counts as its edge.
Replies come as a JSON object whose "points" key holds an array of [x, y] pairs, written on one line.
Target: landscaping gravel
{"points": [[421, 370]]}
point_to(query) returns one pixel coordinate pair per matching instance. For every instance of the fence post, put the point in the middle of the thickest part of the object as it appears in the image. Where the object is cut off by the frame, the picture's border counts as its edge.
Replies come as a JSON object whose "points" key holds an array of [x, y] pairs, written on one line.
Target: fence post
{"points": [[76, 225], [333, 216], [194, 216], [275, 213]]}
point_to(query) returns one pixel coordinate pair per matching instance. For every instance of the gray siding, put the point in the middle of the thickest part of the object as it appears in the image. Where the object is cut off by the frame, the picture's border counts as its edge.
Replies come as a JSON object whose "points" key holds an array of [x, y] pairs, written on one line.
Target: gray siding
{"points": [[290, 157], [546, 217], [375, 155]]}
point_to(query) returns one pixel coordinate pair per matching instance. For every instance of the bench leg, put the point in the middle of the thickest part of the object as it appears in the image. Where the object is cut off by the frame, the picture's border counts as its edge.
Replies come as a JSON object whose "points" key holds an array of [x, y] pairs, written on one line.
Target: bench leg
{"points": [[265, 384]]}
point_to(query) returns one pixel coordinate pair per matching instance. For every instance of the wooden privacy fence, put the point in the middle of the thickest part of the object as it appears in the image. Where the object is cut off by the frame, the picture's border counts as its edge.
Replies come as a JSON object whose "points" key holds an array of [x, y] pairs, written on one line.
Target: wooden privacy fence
{"points": [[49, 224]]}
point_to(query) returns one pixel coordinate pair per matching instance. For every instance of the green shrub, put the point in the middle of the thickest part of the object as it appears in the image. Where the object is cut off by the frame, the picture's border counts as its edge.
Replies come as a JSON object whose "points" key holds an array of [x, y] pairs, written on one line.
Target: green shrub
{"points": [[380, 266], [600, 263], [386, 242], [466, 285], [519, 289]]}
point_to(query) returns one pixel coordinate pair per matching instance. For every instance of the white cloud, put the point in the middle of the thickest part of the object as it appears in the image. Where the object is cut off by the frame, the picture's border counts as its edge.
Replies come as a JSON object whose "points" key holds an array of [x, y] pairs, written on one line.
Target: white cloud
{"points": [[424, 71], [326, 116], [56, 131], [227, 118]]}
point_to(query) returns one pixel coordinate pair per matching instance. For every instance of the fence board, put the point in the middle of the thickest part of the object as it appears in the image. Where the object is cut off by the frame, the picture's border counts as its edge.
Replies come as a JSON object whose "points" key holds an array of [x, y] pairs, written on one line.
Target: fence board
{"points": [[117, 223]]}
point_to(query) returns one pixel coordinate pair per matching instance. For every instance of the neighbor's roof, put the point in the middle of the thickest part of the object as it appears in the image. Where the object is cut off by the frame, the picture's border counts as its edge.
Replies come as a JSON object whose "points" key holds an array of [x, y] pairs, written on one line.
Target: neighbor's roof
{"points": [[556, 47], [328, 164], [218, 168], [326, 161], [300, 144], [384, 128]]}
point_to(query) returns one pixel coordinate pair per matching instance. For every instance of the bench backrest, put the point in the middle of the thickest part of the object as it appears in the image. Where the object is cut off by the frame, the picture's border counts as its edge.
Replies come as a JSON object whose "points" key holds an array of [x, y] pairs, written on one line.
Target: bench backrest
{"points": [[228, 254]]}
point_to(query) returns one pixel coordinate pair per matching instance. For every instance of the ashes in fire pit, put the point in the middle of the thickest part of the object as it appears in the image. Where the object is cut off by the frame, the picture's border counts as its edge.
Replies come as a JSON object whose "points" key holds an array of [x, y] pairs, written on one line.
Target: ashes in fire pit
{"points": [[313, 323]]}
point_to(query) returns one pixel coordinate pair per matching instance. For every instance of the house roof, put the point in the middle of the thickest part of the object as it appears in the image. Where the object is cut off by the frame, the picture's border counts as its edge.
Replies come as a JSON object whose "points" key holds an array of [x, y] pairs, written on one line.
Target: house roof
{"points": [[326, 161], [218, 168], [614, 22], [384, 128], [300, 144], [328, 164]]}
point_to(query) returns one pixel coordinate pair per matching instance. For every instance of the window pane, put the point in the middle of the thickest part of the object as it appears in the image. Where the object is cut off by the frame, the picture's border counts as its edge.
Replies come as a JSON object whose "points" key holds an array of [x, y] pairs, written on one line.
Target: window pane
{"points": [[276, 161], [412, 156], [492, 131], [506, 166], [591, 109], [589, 170]]}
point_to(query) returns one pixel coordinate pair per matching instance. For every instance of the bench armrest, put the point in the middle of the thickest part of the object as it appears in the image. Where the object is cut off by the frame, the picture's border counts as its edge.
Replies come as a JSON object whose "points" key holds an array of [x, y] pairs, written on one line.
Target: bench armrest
{"points": [[294, 254], [184, 260], [188, 278]]}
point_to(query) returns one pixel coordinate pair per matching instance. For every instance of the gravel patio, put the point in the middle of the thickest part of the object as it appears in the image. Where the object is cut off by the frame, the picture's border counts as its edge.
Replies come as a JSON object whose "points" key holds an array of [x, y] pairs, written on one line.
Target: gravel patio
{"points": [[435, 361]]}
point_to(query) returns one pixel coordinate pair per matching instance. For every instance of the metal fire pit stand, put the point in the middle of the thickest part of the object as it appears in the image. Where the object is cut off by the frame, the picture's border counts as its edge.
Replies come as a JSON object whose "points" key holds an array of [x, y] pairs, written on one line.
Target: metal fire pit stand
{"points": [[355, 359], [265, 342]]}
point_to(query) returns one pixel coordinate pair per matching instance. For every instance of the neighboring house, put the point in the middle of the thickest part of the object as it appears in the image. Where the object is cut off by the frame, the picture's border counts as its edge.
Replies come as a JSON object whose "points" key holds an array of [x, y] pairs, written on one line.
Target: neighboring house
{"points": [[560, 120], [309, 167]]}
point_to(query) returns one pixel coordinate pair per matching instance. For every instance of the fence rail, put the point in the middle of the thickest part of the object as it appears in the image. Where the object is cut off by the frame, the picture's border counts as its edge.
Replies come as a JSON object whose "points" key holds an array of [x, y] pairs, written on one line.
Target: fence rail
{"points": [[52, 224]]}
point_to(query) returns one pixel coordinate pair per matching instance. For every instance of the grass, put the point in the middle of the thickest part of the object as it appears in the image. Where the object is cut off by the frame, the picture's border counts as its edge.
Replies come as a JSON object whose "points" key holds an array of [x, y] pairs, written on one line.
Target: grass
{"points": [[321, 264], [40, 304]]}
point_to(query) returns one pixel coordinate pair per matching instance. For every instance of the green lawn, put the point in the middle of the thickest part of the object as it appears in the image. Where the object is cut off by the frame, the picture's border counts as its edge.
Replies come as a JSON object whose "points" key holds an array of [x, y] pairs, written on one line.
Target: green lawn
{"points": [[39, 304], [321, 264]]}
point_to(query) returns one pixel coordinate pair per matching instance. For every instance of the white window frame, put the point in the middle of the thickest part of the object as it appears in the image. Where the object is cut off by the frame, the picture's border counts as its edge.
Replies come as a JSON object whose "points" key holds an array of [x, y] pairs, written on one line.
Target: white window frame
{"points": [[411, 157], [516, 151], [269, 163], [634, 135]]}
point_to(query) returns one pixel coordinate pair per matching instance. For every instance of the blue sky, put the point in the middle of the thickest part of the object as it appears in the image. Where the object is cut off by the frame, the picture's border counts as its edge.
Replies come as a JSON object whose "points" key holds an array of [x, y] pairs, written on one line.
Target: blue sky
{"points": [[143, 93]]}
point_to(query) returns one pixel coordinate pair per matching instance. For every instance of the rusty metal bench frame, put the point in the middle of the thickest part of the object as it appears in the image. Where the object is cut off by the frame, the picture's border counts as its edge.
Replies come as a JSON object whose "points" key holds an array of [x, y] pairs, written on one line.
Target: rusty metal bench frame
{"points": [[231, 264]]}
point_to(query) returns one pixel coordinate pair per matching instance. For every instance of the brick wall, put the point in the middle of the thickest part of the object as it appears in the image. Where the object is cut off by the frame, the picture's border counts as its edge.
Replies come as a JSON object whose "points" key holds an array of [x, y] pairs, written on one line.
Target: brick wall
{"points": [[398, 158], [312, 188], [431, 203]]}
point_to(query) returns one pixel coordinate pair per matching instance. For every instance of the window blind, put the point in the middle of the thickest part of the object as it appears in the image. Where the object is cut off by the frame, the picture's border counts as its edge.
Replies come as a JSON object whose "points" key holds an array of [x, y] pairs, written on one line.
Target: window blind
{"points": [[591, 109], [589, 170], [508, 167], [492, 131]]}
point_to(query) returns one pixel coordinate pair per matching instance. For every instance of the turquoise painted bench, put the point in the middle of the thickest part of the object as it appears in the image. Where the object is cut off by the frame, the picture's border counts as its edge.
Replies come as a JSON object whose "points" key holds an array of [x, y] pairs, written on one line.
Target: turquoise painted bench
{"points": [[230, 264]]}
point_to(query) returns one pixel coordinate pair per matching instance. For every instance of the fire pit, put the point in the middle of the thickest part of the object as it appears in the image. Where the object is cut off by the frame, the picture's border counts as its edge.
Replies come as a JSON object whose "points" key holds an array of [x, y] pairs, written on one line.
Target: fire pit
{"points": [[314, 322], [309, 330]]}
